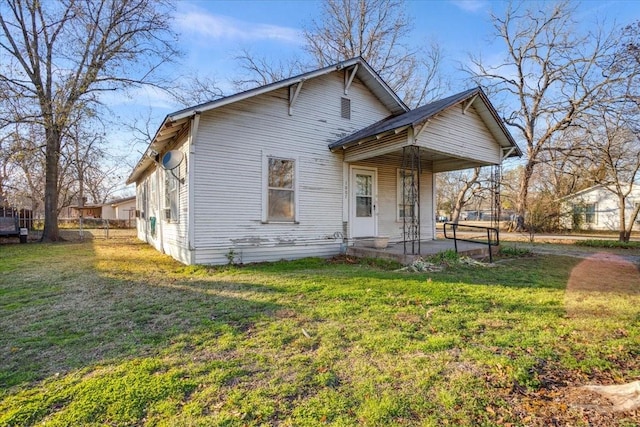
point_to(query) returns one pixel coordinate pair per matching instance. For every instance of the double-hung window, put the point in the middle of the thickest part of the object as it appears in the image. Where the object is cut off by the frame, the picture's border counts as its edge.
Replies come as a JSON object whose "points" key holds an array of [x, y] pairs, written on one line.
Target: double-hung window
{"points": [[171, 195], [281, 189]]}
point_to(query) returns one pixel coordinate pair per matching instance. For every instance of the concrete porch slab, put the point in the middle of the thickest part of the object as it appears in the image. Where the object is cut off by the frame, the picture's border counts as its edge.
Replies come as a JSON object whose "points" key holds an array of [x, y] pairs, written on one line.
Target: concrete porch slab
{"points": [[395, 251]]}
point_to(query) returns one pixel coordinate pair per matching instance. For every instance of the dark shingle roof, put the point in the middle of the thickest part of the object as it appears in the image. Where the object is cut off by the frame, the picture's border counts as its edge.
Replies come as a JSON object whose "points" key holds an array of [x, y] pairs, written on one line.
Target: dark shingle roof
{"points": [[420, 115]]}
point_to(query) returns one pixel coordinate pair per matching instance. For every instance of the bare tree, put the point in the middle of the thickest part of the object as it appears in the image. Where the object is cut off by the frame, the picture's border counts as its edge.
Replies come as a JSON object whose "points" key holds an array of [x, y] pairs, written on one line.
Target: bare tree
{"points": [[260, 71], [62, 55], [551, 76], [24, 160], [457, 189], [376, 30], [195, 89], [613, 144]]}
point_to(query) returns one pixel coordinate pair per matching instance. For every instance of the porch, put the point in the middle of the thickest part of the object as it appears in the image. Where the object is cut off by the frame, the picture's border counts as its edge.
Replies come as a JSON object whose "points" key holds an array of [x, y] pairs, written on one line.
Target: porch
{"points": [[392, 166], [396, 251]]}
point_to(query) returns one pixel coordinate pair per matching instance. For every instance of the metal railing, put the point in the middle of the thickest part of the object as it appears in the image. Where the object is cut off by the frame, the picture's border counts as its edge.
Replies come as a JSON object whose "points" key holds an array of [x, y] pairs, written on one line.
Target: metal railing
{"points": [[492, 236]]}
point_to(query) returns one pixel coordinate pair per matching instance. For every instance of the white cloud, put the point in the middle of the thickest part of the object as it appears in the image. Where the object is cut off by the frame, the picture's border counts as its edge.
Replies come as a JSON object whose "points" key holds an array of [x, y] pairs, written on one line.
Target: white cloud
{"points": [[471, 6], [224, 28], [147, 96]]}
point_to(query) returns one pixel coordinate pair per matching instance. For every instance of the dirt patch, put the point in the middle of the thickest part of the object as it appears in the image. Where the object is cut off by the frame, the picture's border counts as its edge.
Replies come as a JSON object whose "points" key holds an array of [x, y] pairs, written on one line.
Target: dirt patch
{"points": [[562, 399], [605, 272]]}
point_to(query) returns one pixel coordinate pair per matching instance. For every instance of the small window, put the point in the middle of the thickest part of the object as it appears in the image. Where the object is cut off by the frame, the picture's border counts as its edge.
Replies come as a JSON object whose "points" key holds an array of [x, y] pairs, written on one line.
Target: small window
{"points": [[406, 191], [345, 108], [172, 195], [281, 190]]}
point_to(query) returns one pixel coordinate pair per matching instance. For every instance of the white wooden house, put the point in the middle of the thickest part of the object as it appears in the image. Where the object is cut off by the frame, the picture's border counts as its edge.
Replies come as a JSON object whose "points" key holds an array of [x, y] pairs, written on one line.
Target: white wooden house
{"points": [[597, 208], [307, 165]]}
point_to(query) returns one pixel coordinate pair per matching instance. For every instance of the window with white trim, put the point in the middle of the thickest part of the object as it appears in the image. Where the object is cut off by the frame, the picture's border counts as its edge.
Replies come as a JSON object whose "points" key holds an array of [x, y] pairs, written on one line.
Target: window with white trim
{"points": [[172, 195], [404, 182], [141, 200], [281, 190]]}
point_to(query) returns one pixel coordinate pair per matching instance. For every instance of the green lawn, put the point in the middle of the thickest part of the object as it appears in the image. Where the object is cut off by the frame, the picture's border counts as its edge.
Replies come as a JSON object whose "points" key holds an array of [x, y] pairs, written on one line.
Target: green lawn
{"points": [[113, 333]]}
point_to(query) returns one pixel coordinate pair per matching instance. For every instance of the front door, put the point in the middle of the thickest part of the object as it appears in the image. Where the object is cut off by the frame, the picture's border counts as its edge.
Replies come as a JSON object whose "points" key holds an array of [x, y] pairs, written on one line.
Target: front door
{"points": [[363, 202]]}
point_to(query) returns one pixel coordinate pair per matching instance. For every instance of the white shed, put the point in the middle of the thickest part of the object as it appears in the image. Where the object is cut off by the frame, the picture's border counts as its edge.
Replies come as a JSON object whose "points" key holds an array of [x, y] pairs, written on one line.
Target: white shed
{"points": [[306, 166]]}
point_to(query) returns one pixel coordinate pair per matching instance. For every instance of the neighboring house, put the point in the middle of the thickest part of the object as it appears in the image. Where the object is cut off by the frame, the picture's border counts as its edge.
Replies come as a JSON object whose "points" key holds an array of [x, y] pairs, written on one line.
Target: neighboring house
{"points": [[597, 208], [305, 166], [85, 211], [119, 209], [122, 209]]}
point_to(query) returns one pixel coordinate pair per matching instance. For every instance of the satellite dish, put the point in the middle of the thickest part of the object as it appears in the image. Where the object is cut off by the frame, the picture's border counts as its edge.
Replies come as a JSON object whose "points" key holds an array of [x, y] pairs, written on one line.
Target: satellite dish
{"points": [[172, 159]]}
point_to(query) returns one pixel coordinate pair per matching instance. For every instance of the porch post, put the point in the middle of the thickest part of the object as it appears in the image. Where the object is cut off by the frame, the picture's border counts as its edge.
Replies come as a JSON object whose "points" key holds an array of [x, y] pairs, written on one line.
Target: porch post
{"points": [[496, 206], [411, 172]]}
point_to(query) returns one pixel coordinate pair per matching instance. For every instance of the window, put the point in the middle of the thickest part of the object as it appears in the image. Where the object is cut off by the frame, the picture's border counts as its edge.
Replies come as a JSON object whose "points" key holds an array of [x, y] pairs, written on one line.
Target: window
{"points": [[153, 201], [281, 195], [142, 199], [590, 213], [172, 195], [406, 192], [584, 214]]}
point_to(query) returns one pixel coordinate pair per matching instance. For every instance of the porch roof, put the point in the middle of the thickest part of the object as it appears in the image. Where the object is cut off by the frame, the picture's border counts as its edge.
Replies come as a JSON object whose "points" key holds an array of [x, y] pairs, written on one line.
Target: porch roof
{"points": [[420, 115]]}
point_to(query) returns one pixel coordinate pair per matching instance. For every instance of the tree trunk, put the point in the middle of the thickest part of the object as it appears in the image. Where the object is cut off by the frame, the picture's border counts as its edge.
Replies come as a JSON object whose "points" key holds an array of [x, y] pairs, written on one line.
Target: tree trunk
{"points": [[523, 193], [461, 197], [51, 232], [623, 237], [632, 221]]}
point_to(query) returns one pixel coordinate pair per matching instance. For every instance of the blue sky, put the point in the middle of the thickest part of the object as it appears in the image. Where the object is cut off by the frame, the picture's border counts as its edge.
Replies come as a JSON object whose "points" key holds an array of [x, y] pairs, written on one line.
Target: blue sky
{"points": [[212, 33]]}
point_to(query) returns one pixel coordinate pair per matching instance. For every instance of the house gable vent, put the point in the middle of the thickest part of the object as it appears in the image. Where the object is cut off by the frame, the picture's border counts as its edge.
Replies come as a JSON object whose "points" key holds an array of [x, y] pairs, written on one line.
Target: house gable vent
{"points": [[345, 108]]}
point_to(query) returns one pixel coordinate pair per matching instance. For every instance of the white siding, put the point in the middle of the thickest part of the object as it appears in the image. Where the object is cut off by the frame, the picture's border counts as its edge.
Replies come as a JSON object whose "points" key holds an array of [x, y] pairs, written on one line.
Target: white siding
{"points": [[123, 209], [168, 237], [229, 150], [607, 213], [174, 234], [462, 135], [388, 223]]}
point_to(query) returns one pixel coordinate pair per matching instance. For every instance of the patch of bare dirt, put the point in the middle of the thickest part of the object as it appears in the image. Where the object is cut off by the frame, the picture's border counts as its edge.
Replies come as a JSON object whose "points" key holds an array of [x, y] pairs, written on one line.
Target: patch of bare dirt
{"points": [[562, 398], [605, 272]]}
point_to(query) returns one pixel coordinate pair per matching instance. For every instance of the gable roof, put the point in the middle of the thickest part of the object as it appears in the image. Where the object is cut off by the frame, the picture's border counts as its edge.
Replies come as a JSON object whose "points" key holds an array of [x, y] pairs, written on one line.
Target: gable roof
{"points": [[121, 200], [176, 122], [609, 188], [425, 112], [364, 72]]}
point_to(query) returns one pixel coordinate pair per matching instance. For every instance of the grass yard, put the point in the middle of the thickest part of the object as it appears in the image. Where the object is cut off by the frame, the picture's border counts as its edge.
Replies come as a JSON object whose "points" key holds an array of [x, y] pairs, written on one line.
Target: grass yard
{"points": [[113, 333]]}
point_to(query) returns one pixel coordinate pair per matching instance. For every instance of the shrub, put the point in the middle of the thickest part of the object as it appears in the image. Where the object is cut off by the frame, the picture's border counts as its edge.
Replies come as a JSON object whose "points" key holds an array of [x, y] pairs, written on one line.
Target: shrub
{"points": [[597, 243]]}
